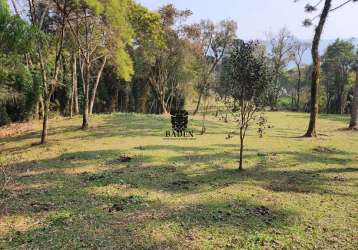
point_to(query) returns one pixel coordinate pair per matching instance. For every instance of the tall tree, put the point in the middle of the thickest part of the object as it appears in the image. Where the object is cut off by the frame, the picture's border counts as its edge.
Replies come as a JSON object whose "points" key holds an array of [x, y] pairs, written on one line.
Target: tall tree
{"points": [[336, 66], [327, 8], [354, 109], [102, 31], [19, 88], [74, 104], [149, 41], [53, 26], [297, 53], [281, 45], [214, 40], [167, 71]]}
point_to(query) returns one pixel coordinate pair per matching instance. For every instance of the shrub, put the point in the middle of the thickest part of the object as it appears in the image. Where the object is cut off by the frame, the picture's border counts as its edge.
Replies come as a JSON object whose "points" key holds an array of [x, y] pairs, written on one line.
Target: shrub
{"points": [[4, 117]]}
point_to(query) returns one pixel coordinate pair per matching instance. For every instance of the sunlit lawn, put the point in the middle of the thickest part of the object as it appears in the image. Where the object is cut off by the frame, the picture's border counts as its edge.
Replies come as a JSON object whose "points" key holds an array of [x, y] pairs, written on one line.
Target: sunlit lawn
{"points": [[75, 192]]}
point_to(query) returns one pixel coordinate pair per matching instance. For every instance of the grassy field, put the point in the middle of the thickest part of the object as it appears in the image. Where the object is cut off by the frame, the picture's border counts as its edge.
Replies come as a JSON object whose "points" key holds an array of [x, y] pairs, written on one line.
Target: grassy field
{"points": [[75, 192]]}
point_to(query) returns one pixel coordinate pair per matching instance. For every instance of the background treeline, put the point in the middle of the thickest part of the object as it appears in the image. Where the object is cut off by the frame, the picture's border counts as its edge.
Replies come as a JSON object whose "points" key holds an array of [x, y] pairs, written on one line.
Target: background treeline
{"points": [[69, 57]]}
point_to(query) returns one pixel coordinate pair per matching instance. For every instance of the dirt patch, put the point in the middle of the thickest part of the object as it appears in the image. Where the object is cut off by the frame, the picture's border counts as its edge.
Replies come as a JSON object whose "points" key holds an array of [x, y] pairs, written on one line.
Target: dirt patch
{"points": [[126, 203], [41, 207], [321, 149], [261, 210], [92, 177], [125, 158], [181, 185], [116, 208], [16, 128], [339, 178]]}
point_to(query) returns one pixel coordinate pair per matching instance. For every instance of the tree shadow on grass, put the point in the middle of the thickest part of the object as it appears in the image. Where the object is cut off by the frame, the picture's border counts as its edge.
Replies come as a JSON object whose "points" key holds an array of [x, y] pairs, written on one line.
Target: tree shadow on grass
{"points": [[176, 174], [88, 225], [68, 206], [69, 197], [220, 220], [329, 117], [115, 125]]}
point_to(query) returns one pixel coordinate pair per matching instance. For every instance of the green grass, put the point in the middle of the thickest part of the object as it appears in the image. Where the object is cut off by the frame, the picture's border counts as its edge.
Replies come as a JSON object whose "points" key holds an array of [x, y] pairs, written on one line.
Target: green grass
{"points": [[74, 193]]}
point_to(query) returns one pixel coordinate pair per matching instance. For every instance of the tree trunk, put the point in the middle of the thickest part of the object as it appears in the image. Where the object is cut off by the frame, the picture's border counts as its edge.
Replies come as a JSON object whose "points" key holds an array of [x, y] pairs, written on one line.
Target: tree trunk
{"points": [[143, 100], [241, 149], [42, 108], [206, 79], [85, 121], [85, 118], [125, 99], [72, 93], [354, 110], [45, 122], [37, 111], [114, 99], [162, 103], [340, 101], [71, 102], [199, 101], [203, 129], [311, 131], [77, 106], [298, 88], [94, 90], [74, 96], [276, 95]]}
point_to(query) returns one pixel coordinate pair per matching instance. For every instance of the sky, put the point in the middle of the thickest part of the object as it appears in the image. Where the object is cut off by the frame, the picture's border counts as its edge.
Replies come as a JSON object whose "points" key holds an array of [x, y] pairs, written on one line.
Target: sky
{"points": [[257, 17]]}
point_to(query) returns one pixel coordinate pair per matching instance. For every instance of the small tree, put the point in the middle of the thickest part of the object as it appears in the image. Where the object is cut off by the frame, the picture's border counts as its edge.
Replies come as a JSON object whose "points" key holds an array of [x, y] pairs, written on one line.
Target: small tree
{"points": [[249, 77]]}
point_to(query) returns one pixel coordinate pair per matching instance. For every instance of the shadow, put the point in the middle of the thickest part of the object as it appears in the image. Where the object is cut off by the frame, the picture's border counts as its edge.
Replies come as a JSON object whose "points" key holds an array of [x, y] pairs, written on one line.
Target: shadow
{"points": [[67, 202], [94, 200], [88, 223], [328, 117], [176, 176]]}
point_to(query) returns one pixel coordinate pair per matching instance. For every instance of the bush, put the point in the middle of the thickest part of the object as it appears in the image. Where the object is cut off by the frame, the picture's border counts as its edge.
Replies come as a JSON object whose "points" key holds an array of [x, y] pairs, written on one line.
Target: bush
{"points": [[4, 117]]}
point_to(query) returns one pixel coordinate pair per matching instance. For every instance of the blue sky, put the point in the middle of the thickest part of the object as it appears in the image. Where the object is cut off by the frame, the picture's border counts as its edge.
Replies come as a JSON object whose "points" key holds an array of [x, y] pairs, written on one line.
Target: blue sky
{"points": [[257, 17]]}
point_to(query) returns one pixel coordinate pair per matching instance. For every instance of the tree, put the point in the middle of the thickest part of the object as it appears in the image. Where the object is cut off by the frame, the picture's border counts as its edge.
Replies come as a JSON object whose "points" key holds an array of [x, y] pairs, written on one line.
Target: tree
{"points": [[213, 42], [74, 104], [222, 86], [169, 63], [281, 45], [103, 32], [336, 65], [167, 71], [49, 31], [249, 78], [354, 109], [297, 53], [100, 30], [149, 41], [19, 88], [327, 8]]}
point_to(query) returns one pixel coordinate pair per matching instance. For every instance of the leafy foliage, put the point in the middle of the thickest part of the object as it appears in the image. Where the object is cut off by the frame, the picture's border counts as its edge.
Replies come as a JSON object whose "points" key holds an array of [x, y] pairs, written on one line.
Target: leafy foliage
{"points": [[337, 63], [249, 73], [249, 77]]}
